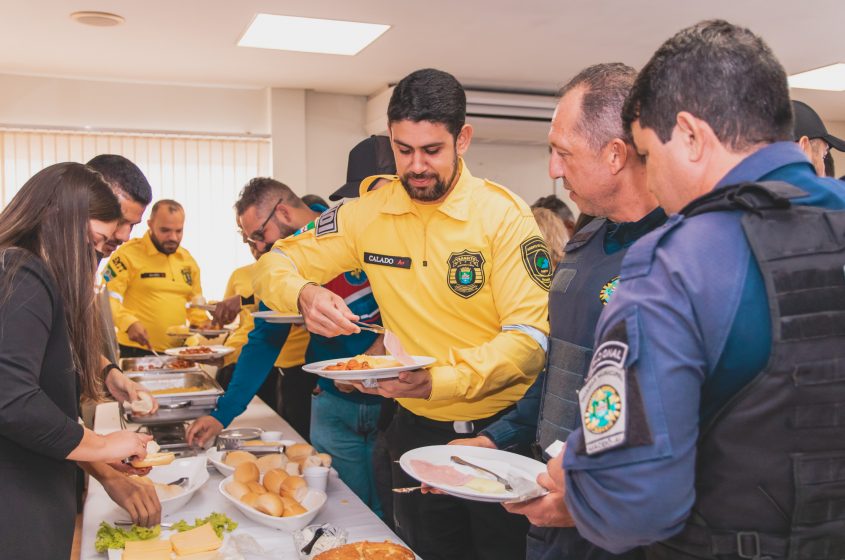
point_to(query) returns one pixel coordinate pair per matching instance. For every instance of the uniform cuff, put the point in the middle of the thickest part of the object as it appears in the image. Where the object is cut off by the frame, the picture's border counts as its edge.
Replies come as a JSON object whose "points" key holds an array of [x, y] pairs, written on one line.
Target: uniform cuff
{"points": [[124, 323], [444, 383]]}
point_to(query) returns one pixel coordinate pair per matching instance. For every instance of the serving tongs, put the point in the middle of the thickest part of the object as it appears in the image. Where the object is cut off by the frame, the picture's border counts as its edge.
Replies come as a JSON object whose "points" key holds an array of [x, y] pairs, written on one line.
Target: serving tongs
{"points": [[391, 343], [229, 444]]}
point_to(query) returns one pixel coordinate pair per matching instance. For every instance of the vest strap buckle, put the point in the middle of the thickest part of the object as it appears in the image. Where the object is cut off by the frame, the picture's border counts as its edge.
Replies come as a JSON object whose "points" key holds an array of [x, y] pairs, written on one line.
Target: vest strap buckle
{"points": [[748, 545]]}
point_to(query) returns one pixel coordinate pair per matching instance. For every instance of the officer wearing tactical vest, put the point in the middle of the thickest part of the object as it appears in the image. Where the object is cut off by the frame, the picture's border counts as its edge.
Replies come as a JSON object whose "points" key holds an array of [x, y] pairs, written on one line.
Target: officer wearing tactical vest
{"points": [[598, 164], [467, 284], [710, 411]]}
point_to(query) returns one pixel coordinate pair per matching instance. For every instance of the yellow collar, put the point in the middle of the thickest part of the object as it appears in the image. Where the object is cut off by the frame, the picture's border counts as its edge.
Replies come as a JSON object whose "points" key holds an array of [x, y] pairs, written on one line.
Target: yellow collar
{"points": [[455, 206], [150, 248]]}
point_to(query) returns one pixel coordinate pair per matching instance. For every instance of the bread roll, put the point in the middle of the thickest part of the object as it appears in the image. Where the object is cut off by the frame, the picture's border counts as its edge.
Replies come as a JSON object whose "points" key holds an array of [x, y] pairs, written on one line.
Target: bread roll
{"points": [[299, 451], [237, 489], [271, 504], [154, 460], [293, 468], [294, 487], [325, 459], [312, 461], [273, 480], [235, 458], [256, 488], [247, 472], [250, 498], [274, 461], [292, 507]]}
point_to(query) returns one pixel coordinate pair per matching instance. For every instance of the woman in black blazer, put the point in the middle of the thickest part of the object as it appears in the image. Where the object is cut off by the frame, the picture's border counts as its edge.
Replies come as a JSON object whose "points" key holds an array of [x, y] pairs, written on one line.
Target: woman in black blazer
{"points": [[50, 234]]}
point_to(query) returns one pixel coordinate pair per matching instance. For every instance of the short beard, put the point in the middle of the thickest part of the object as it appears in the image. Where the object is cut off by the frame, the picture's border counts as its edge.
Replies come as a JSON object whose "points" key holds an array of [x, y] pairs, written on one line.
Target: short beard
{"points": [[159, 246], [434, 192]]}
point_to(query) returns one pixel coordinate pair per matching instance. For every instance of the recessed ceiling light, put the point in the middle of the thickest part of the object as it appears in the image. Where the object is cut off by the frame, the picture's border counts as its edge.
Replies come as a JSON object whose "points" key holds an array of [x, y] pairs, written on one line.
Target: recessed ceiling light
{"points": [[325, 36], [97, 19], [828, 78]]}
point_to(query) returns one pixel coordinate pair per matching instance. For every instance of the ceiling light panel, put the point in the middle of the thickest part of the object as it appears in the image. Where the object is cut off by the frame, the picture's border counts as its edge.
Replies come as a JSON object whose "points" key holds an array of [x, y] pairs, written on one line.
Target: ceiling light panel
{"points": [[325, 36], [827, 78]]}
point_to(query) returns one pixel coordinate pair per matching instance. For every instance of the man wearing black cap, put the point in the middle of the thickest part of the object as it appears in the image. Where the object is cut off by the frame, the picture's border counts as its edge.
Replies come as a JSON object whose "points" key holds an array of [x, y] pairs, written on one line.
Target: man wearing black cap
{"points": [[372, 156], [813, 137]]}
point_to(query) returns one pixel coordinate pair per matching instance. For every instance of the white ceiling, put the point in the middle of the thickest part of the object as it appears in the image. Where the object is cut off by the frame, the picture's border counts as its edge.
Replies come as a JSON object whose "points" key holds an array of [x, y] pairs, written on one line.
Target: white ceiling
{"points": [[525, 44]]}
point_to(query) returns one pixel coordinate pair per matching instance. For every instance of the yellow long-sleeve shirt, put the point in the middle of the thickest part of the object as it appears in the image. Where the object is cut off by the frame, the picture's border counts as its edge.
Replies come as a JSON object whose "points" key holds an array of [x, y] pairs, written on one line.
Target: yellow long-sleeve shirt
{"points": [[467, 284], [292, 353], [148, 286]]}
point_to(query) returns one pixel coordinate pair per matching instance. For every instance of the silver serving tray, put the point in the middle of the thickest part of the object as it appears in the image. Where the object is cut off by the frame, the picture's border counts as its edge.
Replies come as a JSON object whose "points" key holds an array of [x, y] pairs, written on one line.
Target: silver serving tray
{"points": [[131, 365], [176, 407]]}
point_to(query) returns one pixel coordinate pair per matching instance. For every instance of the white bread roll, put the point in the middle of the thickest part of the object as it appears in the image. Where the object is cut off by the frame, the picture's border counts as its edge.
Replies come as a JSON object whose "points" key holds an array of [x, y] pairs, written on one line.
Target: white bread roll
{"points": [[325, 459], [237, 489], [256, 487], [274, 461], [154, 460], [299, 451], [247, 472], [250, 498], [293, 468], [294, 487], [271, 504], [235, 458], [273, 480], [292, 507]]}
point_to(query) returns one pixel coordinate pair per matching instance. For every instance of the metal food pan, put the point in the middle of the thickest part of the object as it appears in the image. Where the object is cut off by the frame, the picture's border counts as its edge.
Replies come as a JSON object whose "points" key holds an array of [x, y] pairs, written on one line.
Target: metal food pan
{"points": [[153, 364], [194, 383]]}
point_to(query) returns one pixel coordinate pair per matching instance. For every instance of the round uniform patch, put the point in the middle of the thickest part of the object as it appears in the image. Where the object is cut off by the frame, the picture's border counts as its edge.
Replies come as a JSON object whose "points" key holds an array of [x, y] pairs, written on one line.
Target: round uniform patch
{"points": [[602, 410], [608, 289]]}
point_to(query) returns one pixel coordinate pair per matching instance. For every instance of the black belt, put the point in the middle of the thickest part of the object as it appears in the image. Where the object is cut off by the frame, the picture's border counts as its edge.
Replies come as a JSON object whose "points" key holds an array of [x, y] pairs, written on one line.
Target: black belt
{"points": [[456, 426]]}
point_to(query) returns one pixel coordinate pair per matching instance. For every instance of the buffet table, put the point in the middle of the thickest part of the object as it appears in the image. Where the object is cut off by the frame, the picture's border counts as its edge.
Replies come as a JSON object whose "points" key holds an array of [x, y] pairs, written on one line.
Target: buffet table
{"points": [[343, 508]]}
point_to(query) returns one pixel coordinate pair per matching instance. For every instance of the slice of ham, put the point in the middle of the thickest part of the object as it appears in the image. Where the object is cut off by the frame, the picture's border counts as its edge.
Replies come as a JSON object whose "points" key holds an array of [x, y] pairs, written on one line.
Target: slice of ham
{"points": [[395, 349], [439, 474]]}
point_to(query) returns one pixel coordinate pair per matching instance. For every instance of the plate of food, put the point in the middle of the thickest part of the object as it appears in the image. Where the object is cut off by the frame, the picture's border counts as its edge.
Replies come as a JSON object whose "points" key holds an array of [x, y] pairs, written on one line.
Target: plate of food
{"points": [[181, 539], [276, 317], [200, 352], [200, 302], [363, 366], [209, 332], [446, 468]]}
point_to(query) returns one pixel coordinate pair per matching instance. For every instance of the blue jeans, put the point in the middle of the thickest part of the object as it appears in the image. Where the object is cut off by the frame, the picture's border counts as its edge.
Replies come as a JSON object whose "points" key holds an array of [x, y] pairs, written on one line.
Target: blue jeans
{"points": [[346, 430]]}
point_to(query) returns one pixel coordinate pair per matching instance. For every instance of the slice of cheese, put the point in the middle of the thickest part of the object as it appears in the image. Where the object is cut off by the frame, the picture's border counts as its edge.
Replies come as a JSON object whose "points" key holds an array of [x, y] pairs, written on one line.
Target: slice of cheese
{"points": [[201, 539], [147, 550]]}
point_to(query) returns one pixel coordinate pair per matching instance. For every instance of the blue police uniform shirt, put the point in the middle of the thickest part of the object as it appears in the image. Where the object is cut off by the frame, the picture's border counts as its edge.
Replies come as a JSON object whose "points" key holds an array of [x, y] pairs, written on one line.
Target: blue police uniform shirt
{"points": [[518, 428], [693, 308]]}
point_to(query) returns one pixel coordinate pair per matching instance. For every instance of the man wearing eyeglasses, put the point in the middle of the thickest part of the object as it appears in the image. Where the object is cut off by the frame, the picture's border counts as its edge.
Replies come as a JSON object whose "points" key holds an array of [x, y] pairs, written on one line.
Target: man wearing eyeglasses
{"points": [[812, 136]]}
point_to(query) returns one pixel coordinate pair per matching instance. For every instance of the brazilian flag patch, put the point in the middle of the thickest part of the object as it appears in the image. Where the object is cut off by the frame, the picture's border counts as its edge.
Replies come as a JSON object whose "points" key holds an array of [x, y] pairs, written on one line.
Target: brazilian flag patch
{"points": [[537, 261]]}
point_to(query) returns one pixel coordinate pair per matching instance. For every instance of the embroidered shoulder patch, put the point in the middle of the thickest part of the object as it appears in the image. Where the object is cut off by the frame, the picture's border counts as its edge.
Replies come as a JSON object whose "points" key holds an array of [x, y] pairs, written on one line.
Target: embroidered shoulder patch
{"points": [[327, 222], [608, 289], [603, 398], [537, 261], [466, 273]]}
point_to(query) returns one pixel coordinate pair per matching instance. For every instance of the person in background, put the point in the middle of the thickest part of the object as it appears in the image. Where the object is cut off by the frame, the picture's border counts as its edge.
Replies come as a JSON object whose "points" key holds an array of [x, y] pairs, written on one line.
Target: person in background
{"points": [[460, 273], [812, 136], [50, 346], [708, 426], [134, 193], [340, 423], [150, 280], [313, 200], [559, 207], [554, 232]]}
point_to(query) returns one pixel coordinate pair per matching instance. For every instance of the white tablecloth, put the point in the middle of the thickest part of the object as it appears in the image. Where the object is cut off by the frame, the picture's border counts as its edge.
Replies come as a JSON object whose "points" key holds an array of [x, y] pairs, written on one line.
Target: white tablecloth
{"points": [[343, 508]]}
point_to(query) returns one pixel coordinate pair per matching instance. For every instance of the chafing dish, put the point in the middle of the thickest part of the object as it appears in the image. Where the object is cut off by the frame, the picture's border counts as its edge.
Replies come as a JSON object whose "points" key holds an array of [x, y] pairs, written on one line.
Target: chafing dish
{"points": [[181, 396], [153, 364]]}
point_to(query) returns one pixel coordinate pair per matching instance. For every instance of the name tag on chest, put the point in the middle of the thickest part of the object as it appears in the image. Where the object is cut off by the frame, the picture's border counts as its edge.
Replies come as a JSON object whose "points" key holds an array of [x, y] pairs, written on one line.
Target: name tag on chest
{"points": [[387, 260], [153, 275]]}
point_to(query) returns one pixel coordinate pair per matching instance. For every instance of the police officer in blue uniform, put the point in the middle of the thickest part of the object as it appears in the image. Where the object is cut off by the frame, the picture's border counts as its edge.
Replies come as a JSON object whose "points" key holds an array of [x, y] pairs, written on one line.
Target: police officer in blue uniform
{"points": [[710, 414], [596, 159]]}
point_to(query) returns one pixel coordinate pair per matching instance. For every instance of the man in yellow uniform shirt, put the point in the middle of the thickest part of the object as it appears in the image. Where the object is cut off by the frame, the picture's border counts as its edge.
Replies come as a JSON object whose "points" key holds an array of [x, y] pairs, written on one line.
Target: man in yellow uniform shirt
{"points": [[460, 273], [150, 280]]}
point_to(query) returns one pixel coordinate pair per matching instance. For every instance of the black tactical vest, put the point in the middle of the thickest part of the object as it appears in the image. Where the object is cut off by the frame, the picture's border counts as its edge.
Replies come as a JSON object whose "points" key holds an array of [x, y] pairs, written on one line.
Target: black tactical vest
{"points": [[584, 276], [770, 472]]}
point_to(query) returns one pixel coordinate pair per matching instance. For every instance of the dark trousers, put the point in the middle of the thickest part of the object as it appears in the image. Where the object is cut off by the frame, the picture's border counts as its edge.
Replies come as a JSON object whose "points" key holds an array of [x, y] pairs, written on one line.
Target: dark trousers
{"points": [[132, 352], [556, 543], [441, 527], [297, 387], [382, 467]]}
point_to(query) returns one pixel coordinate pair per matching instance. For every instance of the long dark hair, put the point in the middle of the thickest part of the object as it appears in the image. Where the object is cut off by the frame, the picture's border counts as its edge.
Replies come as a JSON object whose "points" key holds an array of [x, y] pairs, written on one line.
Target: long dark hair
{"points": [[48, 218]]}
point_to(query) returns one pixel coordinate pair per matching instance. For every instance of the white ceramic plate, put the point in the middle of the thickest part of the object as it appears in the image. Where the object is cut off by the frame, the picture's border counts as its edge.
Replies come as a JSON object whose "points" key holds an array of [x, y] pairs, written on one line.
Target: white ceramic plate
{"points": [[203, 306], [360, 375], [276, 317], [209, 332], [313, 502], [191, 467], [503, 463], [218, 351], [216, 457]]}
